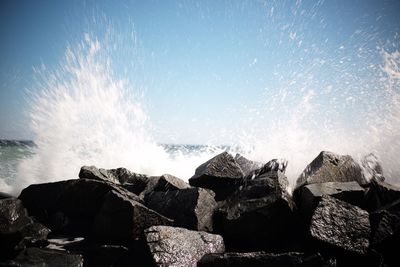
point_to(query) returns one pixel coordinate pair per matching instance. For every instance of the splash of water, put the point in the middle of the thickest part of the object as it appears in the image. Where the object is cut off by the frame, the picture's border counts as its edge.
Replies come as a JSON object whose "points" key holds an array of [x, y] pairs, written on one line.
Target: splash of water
{"points": [[83, 115], [343, 99]]}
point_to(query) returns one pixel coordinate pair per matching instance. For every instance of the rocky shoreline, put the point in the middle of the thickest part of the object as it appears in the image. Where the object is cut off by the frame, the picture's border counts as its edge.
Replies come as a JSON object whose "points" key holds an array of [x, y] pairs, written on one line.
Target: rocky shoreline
{"points": [[233, 212]]}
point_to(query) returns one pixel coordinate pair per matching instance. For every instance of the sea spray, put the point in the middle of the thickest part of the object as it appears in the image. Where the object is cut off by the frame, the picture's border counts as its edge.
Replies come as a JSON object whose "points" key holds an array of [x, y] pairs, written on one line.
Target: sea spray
{"points": [[82, 115]]}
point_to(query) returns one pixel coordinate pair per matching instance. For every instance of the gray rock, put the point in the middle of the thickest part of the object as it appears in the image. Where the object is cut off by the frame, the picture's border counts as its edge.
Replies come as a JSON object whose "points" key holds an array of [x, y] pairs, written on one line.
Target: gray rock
{"points": [[330, 167], [45, 257], [257, 215], [380, 194], [123, 218], [261, 259], [341, 225], [220, 174], [170, 246], [92, 172], [13, 219], [273, 165], [247, 166], [139, 184], [74, 206], [13, 216], [163, 183], [34, 234], [308, 196], [191, 208]]}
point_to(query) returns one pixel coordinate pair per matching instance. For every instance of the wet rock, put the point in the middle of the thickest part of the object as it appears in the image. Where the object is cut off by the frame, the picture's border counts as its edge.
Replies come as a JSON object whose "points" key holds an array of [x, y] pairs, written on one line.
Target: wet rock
{"points": [[121, 218], [139, 184], [221, 174], [271, 166], [247, 165], [125, 176], [171, 246], [45, 257], [255, 259], [330, 167], [13, 219], [92, 172], [341, 225], [308, 196], [380, 194], [191, 208], [258, 215], [34, 234], [163, 183], [385, 238], [70, 207]]}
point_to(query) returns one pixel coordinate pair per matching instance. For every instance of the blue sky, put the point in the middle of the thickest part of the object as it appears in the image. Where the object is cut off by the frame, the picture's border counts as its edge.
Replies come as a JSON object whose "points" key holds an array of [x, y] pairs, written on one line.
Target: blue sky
{"points": [[205, 66]]}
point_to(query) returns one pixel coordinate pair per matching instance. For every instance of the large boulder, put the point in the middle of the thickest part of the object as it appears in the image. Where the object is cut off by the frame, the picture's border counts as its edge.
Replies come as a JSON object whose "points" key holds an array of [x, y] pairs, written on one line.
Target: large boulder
{"points": [[13, 219], [307, 197], [385, 238], [261, 259], [258, 215], [139, 184], [163, 183], [170, 246], [121, 218], [330, 167], [273, 165], [341, 225], [191, 208], [247, 165], [76, 206], [222, 174], [32, 257], [380, 194]]}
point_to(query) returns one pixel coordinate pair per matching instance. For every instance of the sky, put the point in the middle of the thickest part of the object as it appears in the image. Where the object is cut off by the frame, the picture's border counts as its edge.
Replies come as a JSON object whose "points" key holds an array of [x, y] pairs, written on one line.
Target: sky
{"points": [[205, 68]]}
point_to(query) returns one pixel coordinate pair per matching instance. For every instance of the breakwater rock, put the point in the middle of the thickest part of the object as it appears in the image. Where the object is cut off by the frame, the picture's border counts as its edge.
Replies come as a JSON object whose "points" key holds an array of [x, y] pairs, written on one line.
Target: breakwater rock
{"points": [[233, 212]]}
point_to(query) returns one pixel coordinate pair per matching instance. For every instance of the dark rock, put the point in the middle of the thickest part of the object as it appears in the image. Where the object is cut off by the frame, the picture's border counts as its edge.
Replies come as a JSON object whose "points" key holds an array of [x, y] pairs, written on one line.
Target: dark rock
{"points": [[191, 208], [221, 174], [13, 219], [93, 173], [125, 176], [262, 259], [121, 218], [380, 194], [330, 167], [271, 166], [341, 225], [308, 196], [34, 235], [247, 165], [139, 184], [163, 183], [385, 238], [46, 257], [172, 246], [88, 207], [258, 215], [13, 216]]}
